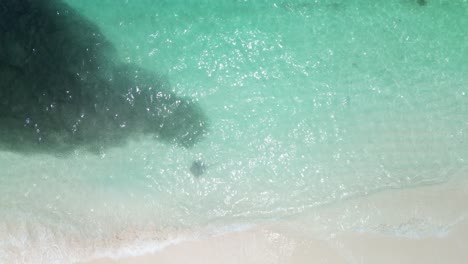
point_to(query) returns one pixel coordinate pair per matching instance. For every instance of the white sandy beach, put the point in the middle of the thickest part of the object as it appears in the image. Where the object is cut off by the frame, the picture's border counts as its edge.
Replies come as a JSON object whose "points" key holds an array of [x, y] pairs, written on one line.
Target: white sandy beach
{"points": [[419, 225]]}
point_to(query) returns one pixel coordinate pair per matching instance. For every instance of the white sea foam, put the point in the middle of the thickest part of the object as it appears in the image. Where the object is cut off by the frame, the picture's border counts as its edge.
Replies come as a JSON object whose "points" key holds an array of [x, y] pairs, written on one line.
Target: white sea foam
{"points": [[36, 243]]}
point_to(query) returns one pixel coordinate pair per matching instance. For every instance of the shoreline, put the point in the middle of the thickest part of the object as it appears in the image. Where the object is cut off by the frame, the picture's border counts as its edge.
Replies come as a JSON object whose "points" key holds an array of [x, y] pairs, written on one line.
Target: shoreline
{"points": [[427, 224], [269, 246]]}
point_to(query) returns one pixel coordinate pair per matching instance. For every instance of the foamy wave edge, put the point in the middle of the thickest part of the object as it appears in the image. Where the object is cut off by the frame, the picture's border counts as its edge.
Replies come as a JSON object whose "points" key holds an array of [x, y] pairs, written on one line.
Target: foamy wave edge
{"points": [[140, 248]]}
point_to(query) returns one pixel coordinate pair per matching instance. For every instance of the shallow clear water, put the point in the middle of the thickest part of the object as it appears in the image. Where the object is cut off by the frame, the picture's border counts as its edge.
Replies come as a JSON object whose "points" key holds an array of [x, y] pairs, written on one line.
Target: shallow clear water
{"points": [[309, 103]]}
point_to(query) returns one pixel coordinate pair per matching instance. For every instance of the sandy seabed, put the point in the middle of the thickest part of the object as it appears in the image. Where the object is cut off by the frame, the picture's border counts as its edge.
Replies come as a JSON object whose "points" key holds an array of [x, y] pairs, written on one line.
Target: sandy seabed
{"points": [[419, 225]]}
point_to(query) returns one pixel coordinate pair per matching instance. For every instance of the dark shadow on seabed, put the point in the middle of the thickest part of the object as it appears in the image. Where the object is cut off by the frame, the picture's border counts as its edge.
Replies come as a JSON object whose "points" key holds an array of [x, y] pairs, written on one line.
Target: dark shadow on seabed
{"points": [[62, 87]]}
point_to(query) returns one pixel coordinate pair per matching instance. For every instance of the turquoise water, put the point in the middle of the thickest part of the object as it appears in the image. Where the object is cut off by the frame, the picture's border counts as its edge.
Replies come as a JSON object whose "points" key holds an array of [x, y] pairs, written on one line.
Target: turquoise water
{"points": [[310, 103]]}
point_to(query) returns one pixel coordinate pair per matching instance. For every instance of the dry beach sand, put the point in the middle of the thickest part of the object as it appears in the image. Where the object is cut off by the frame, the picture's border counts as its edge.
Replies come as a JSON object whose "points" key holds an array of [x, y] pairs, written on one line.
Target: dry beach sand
{"points": [[420, 225]]}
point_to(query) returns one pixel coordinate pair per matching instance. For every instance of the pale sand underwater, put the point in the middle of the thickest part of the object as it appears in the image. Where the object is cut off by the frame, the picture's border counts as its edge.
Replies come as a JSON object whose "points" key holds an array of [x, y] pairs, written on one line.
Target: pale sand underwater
{"points": [[395, 238]]}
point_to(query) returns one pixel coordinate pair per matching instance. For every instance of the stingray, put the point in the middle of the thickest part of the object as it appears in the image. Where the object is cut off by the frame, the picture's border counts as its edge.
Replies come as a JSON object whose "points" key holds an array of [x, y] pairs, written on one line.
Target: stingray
{"points": [[199, 167], [422, 2]]}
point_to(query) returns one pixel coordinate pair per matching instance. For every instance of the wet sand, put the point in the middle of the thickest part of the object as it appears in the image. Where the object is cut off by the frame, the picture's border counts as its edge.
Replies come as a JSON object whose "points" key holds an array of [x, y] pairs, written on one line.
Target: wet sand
{"points": [[419, 225]]}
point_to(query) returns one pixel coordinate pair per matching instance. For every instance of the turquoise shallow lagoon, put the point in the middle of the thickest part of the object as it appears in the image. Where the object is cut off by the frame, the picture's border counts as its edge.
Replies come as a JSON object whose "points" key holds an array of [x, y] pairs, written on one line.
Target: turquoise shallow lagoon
{"points": [[310, 103]]}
